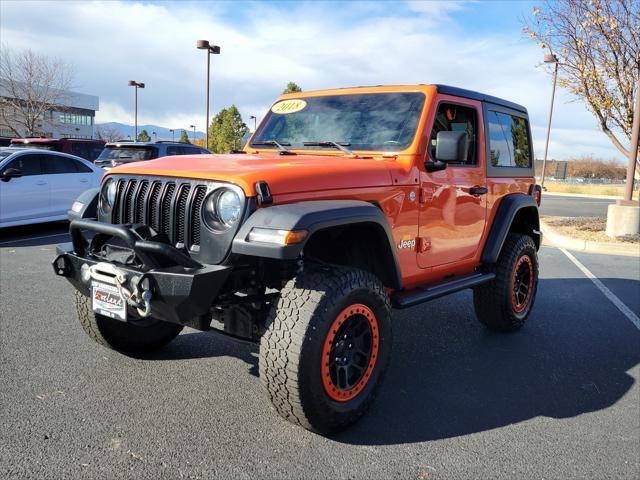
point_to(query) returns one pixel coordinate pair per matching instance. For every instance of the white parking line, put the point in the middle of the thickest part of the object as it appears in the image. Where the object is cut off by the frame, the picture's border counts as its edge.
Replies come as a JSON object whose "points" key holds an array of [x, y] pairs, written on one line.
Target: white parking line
{"points": [[607, 293], [33, 238]]}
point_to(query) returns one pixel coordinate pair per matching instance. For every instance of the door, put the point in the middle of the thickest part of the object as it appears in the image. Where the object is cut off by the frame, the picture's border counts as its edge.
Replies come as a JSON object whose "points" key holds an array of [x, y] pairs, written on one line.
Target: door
{"points": [[68, 179], [25, 197], [453, 201]]}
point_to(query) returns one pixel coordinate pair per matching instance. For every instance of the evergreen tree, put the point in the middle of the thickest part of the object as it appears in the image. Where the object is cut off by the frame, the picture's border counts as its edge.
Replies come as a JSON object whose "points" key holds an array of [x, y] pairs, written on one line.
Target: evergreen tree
{"points": [[143, 136], [226, 131], [292, 87], [184, 138]]}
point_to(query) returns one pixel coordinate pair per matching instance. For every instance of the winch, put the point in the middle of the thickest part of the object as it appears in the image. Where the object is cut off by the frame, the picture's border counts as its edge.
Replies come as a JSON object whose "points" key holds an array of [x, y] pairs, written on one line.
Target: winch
{"points": [[134, 289]]}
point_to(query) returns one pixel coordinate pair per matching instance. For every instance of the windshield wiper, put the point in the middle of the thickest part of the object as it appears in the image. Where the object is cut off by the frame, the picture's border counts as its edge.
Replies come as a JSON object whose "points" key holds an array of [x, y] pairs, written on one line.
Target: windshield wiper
{"points": [[281, 146], [340, 146]]}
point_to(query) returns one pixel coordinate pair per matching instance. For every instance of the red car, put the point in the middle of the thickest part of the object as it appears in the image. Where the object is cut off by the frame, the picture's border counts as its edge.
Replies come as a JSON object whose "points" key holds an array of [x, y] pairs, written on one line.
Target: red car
{"points": [[80, 147]]}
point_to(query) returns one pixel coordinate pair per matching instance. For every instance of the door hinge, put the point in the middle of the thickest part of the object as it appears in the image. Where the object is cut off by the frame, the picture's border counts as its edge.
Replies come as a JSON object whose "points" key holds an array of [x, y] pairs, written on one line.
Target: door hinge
{"points": [[424, 244], [426, 194]]}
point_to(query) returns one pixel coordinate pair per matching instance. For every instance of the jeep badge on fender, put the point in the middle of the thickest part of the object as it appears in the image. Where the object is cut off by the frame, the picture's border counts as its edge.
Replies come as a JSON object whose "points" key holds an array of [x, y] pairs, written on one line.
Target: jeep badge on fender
{"points": [[344, 204]]}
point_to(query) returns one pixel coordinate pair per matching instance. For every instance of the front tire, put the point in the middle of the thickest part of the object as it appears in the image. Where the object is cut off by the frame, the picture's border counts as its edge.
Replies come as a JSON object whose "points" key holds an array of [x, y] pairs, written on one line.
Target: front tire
{"points": [[326, 347], [126, 337], [505, 303]]}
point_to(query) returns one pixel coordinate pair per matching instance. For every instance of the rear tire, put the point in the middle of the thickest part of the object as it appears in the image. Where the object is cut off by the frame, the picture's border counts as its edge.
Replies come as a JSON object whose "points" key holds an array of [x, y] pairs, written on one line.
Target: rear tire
{"points": [[326, 347], [127, 337], [505, 303]]}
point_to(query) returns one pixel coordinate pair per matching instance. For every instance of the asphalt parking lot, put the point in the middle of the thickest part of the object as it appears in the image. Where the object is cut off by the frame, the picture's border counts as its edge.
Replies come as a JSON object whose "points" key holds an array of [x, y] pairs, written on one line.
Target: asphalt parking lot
{"points": [[574, 206], [559, 399]]}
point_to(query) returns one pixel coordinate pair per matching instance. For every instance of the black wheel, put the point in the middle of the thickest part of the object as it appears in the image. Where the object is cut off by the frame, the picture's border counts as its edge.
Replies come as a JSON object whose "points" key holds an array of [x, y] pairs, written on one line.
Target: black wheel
{"points": [[127, 337], [326, 347], [505, 303]]}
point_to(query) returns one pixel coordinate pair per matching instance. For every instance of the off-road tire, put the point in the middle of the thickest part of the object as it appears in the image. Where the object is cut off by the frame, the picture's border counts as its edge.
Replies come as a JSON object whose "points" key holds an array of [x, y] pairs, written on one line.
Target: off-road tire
{"points": [[125, 337], [298, 330], [494, 301]]}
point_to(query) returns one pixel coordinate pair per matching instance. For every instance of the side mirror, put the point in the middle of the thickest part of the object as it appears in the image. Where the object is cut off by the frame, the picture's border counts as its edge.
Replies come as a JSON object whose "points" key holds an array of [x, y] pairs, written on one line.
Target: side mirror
{"points": [[10, 173], [452, 146]]}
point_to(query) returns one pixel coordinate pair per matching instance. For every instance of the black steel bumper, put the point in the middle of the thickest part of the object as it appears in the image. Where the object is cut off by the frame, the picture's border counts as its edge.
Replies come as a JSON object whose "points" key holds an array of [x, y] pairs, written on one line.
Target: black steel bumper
{"points": [[183, 290]]}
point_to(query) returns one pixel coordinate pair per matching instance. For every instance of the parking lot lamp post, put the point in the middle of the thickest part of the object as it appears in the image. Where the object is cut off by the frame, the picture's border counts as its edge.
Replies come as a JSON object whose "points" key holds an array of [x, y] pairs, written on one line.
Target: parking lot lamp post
{"points": [[194, 132], [211, 49], [253, 117], [173, 137], [136, 85], [633, 148], [550, 58]]}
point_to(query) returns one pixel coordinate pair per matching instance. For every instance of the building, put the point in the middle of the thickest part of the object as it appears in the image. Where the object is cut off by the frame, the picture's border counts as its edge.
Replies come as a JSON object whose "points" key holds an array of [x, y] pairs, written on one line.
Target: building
{"points": [[73, 118]]}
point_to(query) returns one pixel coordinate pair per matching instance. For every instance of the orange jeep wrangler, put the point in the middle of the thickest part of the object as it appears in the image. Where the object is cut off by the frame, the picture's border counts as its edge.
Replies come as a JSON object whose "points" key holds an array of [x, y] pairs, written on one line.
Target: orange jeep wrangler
{"points": [[343, 205]]}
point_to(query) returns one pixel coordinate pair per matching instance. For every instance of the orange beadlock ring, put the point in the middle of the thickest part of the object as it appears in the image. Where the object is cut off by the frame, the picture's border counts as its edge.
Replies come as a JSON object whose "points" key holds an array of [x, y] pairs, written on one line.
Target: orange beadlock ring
{"points": [[349, 314], [517, 304]]}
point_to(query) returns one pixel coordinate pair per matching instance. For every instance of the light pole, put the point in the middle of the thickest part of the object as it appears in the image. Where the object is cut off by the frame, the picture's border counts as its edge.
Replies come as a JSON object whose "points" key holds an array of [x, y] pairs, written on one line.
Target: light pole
{"points": [[211, 49], [633, 150], [173, 137], [253, 117], [194, 133], [137, 85], [550, 58]]}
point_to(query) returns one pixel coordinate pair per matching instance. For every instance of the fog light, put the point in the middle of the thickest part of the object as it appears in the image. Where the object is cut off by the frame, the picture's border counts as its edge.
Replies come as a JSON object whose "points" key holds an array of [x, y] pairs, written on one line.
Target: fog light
{"points": [[278, 237]]}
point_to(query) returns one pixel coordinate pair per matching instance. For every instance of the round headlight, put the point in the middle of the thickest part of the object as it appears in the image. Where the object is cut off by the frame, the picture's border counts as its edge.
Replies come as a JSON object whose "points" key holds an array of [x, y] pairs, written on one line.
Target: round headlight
{"points": [[222, 209], [108, 195], [228, 206]]}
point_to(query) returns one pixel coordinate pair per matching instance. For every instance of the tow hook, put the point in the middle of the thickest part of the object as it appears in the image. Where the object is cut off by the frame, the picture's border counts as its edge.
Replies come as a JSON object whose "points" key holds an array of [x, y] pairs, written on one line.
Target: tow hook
{"points": [[135, 289]]}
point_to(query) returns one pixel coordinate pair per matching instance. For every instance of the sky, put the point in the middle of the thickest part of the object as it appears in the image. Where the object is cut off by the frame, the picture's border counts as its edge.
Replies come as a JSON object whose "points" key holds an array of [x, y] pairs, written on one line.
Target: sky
{"points": [[478, 45]]}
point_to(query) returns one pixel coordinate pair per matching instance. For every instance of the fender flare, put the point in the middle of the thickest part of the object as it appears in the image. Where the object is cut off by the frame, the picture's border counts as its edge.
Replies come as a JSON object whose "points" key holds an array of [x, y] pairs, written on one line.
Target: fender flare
{"points": [[312, 216], [89, 209], [509, 207]]}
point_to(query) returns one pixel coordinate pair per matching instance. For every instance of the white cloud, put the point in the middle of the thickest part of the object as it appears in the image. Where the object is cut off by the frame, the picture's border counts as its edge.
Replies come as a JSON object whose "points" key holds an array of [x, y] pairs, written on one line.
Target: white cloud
{"points": [[317, 45]]}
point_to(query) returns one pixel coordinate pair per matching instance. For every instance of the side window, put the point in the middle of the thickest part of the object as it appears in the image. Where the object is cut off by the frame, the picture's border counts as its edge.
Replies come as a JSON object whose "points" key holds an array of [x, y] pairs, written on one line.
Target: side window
{"points": [[452, 117], [81, 167], [57, 165], [79, 150], [28, 164], [95, 152], [172, 151], [508, 141]]}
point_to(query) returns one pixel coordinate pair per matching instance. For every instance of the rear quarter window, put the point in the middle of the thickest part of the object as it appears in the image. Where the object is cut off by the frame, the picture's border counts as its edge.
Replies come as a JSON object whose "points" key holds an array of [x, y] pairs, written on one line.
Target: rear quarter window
{"points": [[509, 151]]}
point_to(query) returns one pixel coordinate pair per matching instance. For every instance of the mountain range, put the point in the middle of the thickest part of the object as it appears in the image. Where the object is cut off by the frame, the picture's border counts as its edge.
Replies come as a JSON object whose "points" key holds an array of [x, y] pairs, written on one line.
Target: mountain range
{"points": [[162, 133]]}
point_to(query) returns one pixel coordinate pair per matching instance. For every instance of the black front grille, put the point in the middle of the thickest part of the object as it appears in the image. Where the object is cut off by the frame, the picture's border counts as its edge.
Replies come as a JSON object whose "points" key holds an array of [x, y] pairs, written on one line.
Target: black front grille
{"points": [[171, 207]]}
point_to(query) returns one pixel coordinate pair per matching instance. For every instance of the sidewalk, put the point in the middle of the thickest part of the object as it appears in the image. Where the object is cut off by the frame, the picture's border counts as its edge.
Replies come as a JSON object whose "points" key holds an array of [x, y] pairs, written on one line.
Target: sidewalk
{"points": [[553, 238]]}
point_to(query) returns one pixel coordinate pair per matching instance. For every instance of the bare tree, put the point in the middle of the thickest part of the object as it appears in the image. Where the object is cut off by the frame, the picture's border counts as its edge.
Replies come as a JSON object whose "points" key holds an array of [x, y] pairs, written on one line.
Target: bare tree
{"points": [[108, 133], [598, 42], [31, 85]]}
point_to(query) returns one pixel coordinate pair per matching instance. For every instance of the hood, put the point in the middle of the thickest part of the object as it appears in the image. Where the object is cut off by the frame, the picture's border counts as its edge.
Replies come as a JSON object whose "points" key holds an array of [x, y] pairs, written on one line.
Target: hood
{"points": [[284, 173]]}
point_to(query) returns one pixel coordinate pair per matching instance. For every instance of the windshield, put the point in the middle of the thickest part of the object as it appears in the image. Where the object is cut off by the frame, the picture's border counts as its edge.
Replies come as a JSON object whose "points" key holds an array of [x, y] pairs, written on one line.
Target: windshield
{"points": [[5, 153], [127, 153], [373, 121], [39, 146]]}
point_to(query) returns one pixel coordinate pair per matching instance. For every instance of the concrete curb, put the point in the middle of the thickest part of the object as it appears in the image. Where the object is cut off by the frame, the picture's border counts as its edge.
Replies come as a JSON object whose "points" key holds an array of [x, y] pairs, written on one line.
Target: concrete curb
{"points": [[553, 238]]}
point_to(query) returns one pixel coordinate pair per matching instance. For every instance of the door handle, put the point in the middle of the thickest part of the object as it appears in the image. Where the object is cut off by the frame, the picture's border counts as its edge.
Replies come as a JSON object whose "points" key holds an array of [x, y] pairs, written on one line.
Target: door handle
{"points": [[84, 180], [478, 190], [41, 182]]}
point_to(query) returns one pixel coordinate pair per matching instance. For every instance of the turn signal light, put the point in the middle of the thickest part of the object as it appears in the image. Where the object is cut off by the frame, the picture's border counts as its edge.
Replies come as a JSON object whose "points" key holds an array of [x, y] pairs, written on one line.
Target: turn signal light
{"points": [[278, 237]]}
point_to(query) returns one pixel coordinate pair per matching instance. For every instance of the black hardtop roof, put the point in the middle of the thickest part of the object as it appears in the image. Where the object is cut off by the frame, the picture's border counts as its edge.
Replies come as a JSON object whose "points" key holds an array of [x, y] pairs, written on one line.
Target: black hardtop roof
{"points": [[461, 92]]}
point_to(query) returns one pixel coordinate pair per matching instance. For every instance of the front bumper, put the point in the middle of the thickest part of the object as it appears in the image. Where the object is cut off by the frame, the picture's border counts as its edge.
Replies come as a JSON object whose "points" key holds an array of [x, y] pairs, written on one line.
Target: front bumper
{"points": [[182, 290]]}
